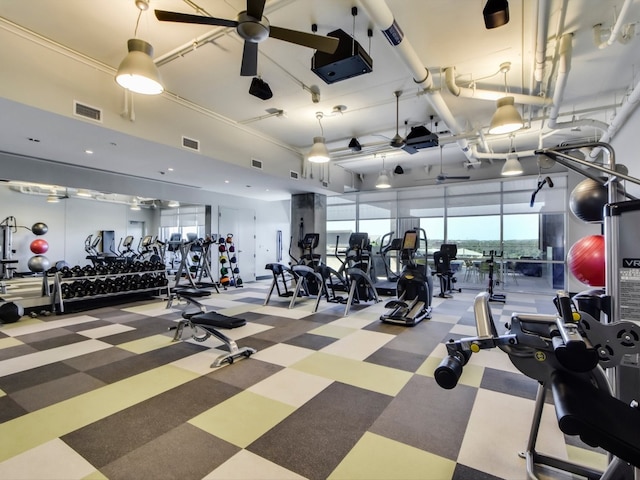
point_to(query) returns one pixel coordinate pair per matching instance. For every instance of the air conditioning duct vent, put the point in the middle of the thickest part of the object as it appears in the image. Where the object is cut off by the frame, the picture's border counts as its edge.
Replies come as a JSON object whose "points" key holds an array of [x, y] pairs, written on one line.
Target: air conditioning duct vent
{"points": [[86, 111], [294, 175], [190, 143], [255, 163]]}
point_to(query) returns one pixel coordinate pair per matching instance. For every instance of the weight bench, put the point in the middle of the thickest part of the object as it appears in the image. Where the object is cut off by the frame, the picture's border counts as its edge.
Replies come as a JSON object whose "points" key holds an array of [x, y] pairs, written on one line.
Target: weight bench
{"points": [[187, 294], [203, 325]]}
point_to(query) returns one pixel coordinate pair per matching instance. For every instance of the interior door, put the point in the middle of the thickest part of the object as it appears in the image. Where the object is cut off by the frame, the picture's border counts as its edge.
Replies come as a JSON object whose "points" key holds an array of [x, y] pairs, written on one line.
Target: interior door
{"points": [[241, 223]]}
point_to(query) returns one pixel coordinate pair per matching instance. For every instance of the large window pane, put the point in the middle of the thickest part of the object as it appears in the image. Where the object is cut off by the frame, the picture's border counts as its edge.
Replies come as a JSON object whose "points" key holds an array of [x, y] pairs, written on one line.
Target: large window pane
{"points": [[474, 235], [521, 236]]}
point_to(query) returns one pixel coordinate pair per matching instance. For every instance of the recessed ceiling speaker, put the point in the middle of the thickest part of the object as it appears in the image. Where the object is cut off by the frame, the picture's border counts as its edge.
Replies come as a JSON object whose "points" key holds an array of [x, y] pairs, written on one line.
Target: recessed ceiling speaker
{"points": [[260, 89]]}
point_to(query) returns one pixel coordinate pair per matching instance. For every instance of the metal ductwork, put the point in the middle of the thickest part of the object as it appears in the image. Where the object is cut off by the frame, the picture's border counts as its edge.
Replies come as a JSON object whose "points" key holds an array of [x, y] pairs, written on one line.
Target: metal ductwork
{"points": [[382, 17]]}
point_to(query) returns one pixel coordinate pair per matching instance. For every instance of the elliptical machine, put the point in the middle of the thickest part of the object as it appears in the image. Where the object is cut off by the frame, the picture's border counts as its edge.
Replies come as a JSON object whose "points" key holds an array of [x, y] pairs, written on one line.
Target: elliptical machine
{"points": [[414, 289]]}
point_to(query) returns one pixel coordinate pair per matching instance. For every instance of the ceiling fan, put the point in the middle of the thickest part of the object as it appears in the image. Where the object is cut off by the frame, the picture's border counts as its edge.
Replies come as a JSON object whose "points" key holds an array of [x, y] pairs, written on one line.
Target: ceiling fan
{"points": [[397, 141], [254, 28], [442, 177]]}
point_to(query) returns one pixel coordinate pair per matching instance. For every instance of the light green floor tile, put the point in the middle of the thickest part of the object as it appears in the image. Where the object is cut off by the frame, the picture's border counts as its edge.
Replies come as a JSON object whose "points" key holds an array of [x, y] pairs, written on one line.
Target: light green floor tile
{"points": [[95, 476], [377, 457], [333, 331], [146, 344], [25, 432], [243, 418], [377, 378], [586, 457], [9, 342], [471, 374]]}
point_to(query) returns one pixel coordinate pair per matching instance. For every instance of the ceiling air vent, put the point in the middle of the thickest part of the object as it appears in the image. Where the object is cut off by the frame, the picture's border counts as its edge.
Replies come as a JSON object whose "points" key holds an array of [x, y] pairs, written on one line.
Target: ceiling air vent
{"points": [[191, 144], [255, 163], [325, 184], [85, 111], [294, 175]]}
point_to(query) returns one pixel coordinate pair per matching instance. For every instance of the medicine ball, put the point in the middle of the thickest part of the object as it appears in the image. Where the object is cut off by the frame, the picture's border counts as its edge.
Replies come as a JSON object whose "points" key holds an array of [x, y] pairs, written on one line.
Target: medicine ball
{"points": [[224, 280], [587, 201], [39, 228], [10, 312]]}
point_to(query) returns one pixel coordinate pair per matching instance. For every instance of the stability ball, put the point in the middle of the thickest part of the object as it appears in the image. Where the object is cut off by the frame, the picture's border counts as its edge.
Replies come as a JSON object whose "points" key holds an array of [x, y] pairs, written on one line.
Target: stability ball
{"points": [[587, 200], [39, 246], [586, 260], [38, 263], [39, 228]]}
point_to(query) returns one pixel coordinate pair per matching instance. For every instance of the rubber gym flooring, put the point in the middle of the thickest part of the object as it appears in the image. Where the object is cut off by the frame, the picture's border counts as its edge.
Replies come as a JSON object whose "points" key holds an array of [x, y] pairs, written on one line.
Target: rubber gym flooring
{"points": [[106, 394]]}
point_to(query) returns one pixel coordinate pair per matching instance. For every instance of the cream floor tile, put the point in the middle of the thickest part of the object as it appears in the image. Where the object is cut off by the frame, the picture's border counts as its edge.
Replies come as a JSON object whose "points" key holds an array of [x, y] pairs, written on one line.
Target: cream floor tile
{"points": [[106, 330], [34, 325], [51, 460], [493, 358], [283, 354], [283, 311], [9, 342], [245, 331], [439, 317], [290, 386], [466, 330], [358, 345], [333, 331], [377, 378], [35, 428], [359, 321], [201, 362], [155, 309], [219, 302], [498, 429], [376, 457], [242, 418], [245, 465], [46, 357], [471, 374], [146, 344]]}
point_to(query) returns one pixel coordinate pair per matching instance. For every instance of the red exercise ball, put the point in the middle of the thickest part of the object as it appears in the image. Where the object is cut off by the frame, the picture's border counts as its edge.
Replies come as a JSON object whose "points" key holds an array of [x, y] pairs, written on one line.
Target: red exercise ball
{"points": [[586, 260], [39, 246]]}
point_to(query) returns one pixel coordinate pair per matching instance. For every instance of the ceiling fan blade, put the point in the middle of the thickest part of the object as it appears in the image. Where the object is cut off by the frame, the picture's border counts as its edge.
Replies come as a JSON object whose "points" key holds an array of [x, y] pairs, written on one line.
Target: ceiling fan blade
{"points": [[318, 42], [454, 177], [166, 16], [255, 8], [249, 66]]}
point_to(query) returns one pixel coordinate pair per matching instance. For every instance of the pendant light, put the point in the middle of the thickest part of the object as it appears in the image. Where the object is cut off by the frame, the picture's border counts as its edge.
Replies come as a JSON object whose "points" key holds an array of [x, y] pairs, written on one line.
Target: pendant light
{"points": [[137, 72], [383, 178], [512, 165], [319, 152], [506, 118]]}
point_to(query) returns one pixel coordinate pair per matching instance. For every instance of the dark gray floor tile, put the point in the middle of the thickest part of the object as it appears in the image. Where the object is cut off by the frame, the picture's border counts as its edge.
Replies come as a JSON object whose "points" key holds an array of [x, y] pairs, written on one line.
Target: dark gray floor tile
{"points": [[98, 359], [246, 373], [462, 472], [509, 383], [311, 341], [111, 438], [422, 338], [48, 393], [428, 417], [390, 357], [35, 376], [183, 453], [9, 409], [59, 341], [128, 367], [17, 351], [322, 431]]}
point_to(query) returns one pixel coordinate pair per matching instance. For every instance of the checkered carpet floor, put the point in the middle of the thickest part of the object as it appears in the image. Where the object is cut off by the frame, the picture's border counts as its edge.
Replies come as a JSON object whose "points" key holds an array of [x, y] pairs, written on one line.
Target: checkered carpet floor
{"points": [[105, 393]]}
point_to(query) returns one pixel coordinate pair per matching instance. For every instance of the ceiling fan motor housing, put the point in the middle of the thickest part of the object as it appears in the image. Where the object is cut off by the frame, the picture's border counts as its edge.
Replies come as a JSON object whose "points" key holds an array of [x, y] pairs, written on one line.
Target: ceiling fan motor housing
{"points": [[252, 29]]}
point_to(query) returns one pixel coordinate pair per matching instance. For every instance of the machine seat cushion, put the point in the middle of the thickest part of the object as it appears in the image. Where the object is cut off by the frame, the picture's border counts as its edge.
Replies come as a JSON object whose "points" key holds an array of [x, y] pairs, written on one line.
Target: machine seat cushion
{"points": [[597, 417], [217, 320]]}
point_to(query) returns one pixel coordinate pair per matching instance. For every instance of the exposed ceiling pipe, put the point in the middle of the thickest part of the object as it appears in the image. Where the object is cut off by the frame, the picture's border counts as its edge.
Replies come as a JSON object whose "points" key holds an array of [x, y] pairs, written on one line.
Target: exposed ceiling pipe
{"points": [[615, 31], [564, 66], [501, 156], [382, 17], [541, 40], [629, 104], [458, 91]]}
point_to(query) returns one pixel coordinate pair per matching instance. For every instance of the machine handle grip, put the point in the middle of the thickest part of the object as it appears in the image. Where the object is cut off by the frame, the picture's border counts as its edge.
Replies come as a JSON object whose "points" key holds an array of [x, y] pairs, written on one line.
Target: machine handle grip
{"points": [[563, 304], [448, 372], [574, 352]]}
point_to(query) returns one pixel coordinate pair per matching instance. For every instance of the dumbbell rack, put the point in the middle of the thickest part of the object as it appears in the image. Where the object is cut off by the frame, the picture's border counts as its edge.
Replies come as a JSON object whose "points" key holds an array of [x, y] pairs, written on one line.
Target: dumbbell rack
{"points": [[110, 285]]}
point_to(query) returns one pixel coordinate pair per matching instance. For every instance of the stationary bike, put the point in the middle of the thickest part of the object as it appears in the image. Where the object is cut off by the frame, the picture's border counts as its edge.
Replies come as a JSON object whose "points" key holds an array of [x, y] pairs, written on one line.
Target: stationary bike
{"points": [[414, 287]]}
